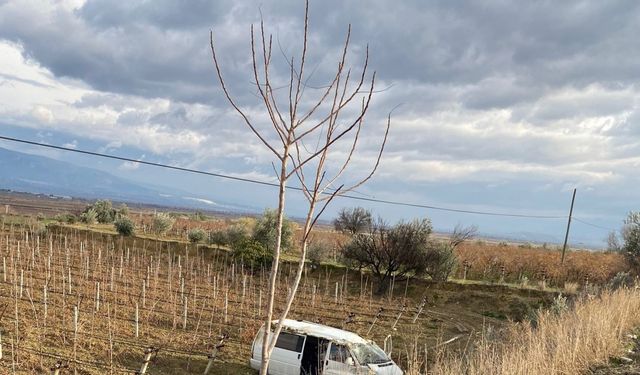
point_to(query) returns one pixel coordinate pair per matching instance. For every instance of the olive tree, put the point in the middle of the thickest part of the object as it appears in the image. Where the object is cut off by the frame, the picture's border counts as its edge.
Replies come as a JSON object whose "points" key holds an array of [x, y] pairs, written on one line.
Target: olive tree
{"points": [[162, 223], [196, 235], [265, 231], [124, 226], [302, 129], [388, 252]]}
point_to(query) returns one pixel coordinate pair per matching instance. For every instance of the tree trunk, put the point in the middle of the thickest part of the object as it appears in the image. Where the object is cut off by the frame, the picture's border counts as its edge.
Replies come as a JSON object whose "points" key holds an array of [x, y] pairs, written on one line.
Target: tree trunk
{"points": [[267, 338]]}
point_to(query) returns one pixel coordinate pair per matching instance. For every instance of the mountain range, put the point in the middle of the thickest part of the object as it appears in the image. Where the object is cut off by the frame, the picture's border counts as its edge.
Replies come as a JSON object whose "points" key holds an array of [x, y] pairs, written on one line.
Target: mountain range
{"points": [[38, 174]]}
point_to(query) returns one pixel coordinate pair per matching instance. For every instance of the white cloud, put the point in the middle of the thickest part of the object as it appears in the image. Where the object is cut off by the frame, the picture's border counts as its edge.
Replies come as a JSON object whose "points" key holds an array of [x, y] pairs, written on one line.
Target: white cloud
{"points": [[73, 144]]}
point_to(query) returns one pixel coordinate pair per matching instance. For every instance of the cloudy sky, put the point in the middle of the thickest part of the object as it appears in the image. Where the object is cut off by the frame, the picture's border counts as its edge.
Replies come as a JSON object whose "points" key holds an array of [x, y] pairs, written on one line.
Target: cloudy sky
{"points": [[501, 106]]}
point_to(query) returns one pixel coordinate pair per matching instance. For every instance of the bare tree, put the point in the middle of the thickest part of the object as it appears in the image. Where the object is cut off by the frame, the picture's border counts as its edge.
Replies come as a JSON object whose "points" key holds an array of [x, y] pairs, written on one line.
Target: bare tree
{"points": [[304, 134], [461, 234], [353, 220], [613, 242]]}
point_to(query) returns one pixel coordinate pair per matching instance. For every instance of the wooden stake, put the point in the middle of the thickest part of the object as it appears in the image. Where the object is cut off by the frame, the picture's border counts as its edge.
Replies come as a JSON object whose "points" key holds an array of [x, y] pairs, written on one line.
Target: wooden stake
{"points": [[55, 370], [97, 296], [214, 353], [147, 358]]}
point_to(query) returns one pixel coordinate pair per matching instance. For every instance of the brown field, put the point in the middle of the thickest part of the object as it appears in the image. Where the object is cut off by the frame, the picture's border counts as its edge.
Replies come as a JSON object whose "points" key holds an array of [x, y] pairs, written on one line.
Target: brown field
{"points": [[186, 296]]}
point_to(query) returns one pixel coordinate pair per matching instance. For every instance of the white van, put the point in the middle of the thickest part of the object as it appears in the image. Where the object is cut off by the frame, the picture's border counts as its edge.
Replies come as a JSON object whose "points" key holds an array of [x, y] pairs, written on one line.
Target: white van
{"points": [[306, 348]]}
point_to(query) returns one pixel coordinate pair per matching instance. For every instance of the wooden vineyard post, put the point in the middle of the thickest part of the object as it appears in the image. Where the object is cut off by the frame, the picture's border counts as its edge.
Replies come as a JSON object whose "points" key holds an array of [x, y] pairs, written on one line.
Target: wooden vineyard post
{"points": [[184, 321], [466, 266], [55, 370], [44, 298], [97, 296], [404, 308], [137, 321], [380, 310], [147, 359], [214, 353], [0, 344], [420, 308], [226, 305], [313, 296]]}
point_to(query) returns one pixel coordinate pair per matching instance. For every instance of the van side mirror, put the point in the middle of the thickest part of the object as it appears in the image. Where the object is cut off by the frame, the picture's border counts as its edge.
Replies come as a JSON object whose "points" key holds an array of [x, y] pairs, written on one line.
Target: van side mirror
{"points": [[349, 361]]}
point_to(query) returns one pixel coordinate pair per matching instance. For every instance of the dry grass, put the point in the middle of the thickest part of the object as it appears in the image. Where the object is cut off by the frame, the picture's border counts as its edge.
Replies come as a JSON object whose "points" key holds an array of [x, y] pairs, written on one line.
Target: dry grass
{"points": [[571, 288], [570, 342]]}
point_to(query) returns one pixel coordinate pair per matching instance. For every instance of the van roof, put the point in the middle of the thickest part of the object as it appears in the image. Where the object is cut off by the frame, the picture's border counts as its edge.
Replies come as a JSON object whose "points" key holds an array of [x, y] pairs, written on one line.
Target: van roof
{"points": [[320, 330]]}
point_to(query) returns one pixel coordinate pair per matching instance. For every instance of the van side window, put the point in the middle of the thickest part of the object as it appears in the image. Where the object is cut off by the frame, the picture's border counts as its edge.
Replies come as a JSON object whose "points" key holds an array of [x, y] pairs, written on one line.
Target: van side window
{"points": [[289, 341], [338, 353]]}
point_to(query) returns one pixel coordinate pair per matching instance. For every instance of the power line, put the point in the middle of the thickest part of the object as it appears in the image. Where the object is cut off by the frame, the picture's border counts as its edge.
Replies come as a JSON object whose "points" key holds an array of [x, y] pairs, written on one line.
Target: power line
{"points": [[592, 225], [271, 184]]}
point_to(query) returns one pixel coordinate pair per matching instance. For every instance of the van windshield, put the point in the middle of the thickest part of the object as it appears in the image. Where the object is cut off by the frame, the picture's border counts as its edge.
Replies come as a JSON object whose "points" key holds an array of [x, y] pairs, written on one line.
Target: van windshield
{"points": [[368, 354]]}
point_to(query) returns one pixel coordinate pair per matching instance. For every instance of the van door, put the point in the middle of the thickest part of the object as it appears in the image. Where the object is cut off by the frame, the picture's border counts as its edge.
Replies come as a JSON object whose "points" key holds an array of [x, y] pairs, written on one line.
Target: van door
{"points": [[339, 361], [287, 354]]}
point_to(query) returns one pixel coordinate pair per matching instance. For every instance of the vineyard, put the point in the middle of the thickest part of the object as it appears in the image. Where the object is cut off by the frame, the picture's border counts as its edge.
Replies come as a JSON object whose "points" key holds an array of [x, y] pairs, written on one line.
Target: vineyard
{"points": [[522, 264], [94, 303]]}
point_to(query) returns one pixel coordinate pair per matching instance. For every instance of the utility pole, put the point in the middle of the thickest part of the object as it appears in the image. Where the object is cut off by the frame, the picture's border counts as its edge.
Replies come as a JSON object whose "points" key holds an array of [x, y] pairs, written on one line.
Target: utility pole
{"points": [[566, 236]]}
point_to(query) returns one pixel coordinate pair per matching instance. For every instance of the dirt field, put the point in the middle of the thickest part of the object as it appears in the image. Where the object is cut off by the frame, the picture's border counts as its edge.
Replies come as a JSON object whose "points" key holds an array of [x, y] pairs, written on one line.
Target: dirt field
{"points": [[185, 296]]}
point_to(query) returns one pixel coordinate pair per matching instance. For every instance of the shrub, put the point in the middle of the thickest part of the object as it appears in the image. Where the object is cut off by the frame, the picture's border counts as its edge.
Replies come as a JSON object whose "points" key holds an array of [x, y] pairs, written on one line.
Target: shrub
{"points": [[559, 305], [252, 253], [67, 218], [265, 231], [162, 223], [123, 210], [440, 260], [317, 253], [218, 238], [124, 226], [236, 233], [621, 279], [196, 235], [89, 216], [105, 213]]}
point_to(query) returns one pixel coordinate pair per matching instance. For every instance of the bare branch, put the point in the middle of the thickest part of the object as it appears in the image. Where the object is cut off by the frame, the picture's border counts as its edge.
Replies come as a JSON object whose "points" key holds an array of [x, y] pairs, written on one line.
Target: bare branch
{"points": [[232, 102], [461, 234], [342, 134], [303, 58], [375, 167], [333, 82], [262, 92]]}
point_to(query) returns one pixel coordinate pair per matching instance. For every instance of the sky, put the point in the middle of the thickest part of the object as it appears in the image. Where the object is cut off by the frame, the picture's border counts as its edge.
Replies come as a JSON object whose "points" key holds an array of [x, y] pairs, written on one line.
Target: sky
{"points": [[498, 106]]}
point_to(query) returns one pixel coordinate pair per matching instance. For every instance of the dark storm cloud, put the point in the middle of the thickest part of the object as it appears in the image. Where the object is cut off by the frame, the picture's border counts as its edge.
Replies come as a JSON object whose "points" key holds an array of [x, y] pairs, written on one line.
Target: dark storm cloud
{"points": [[167, 14], [502, 52]]}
